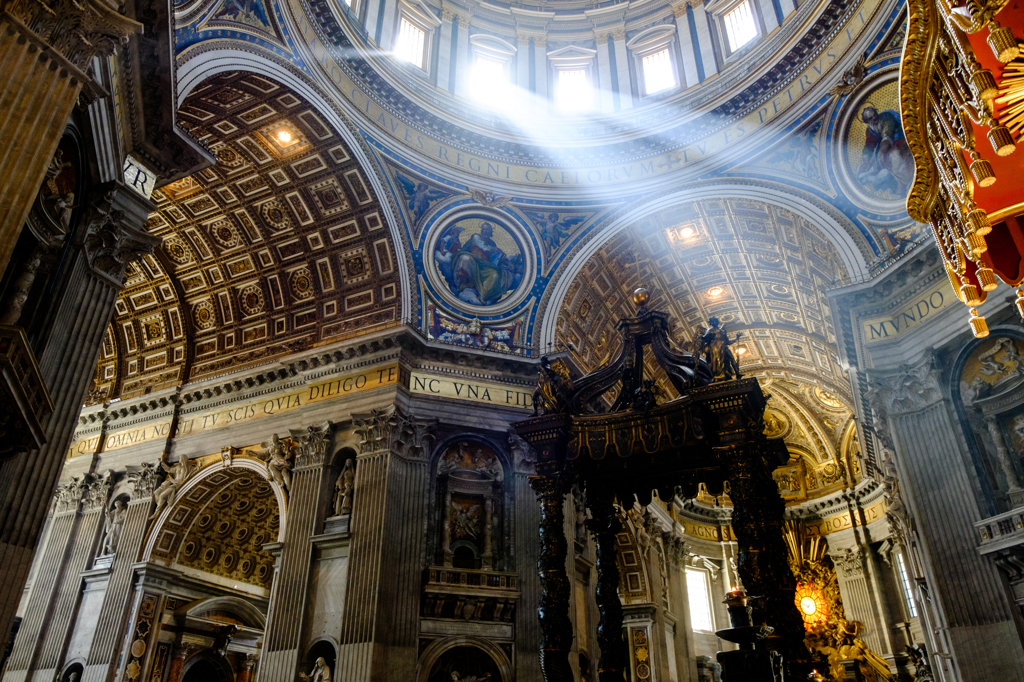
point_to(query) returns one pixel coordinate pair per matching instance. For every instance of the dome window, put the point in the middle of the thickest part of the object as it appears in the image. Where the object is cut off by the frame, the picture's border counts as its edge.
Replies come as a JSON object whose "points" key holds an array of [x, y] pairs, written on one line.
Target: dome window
{"points": [[416, 24], [655, 60], [740, 25], [573, 68], [491, 73]]}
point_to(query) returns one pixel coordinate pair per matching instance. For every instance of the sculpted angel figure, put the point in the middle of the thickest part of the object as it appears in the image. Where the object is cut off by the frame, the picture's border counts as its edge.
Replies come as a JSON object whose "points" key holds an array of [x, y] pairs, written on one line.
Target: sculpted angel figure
{"points": [[278, 466], [321, 672], [177, 474], [714, 346], [344, 487], [112, 525]]}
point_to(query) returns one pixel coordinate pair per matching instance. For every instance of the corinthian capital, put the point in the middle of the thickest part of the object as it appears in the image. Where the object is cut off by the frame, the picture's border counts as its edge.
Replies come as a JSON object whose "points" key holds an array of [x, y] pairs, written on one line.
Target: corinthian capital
{"points": [[114, 234], [909, 389], [77, 31], [69, 495], [97, 490], [375, 429]]}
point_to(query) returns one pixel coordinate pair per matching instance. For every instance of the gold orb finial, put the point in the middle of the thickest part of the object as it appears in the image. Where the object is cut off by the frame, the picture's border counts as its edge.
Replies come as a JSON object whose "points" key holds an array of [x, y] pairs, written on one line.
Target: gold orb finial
{"points": [[641, 296]]}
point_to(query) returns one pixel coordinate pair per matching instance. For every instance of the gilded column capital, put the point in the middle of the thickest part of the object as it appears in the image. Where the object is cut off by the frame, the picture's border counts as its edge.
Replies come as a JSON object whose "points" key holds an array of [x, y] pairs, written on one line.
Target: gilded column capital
{"points": [[695, 3], [679, 8], [618, 34], [601, 36], [75, 31], [111, 240], [540, 41], [447, 14]]}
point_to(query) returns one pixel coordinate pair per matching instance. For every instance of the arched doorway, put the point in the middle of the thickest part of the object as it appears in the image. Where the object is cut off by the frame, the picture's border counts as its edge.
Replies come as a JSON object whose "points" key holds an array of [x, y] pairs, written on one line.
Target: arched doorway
{"points": [[207, 668]]}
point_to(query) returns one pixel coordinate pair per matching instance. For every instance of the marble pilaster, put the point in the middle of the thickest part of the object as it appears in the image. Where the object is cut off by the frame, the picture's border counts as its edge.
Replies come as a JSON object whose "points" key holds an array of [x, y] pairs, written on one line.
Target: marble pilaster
{"points": [[705, 45], [771, 21], [444, 51], [606, 92], [971, 608], [688, 70], [27, 643], [540, 65], [527, 555], [1013, 489], [99, 665], [282, 649], [625, 88], [78, 554], [462, 56], [111, 237]]}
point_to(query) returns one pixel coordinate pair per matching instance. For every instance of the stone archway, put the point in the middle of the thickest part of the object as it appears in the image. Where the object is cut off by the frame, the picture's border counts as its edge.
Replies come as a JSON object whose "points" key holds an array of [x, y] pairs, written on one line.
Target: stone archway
{"points": [[443, 656]]}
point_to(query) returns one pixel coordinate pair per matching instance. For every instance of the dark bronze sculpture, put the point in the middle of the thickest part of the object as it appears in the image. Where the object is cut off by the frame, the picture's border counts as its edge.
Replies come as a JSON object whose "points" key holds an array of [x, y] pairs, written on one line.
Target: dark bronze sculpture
{"points": [[710, 434]]}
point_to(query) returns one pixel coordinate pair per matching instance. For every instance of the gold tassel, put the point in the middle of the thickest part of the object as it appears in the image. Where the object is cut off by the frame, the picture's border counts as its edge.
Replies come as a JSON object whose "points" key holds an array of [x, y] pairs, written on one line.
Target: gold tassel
{"points": [[978, 324], [986, 278], [1020, 302], [1003, 43], [978, 221], [1001, 140], [985, 84], [976, 243], [969, 292], [982, 171]]}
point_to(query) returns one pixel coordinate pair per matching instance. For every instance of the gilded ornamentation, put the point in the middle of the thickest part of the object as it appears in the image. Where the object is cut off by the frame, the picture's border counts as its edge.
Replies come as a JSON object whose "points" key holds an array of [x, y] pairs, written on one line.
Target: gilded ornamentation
{"points": [[714, 345], [555, 385], [204, 315], [850, 79]]}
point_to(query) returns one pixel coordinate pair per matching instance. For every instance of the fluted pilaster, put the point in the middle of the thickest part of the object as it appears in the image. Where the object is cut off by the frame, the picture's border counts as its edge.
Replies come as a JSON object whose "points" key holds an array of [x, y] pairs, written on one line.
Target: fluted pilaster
{"points": [[112, 237]]}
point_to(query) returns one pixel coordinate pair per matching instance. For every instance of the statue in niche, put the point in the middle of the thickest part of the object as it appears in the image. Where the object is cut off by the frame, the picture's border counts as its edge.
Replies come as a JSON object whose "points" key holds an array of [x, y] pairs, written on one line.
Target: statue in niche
{"points": [[112, 525], [714, 346], [279, 468], [177, 474], [321, 672], [344, 487]]}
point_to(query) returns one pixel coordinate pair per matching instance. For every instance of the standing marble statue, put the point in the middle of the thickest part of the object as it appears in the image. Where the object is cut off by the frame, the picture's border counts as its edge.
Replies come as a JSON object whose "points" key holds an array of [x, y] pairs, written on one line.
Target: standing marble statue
{"points": [[177, 474], [278, 467], [112, 526], [321, 672], [343, 489]]}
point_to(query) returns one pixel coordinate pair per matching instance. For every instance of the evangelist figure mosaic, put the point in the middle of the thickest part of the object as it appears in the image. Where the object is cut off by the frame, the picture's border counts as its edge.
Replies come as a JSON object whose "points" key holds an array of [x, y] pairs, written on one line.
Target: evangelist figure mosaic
{"points": [[877, 148], [480, 261]]}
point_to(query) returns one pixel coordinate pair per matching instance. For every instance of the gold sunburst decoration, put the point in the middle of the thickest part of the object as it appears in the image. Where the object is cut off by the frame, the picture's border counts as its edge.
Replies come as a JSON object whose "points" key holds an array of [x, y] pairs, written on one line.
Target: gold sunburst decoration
{"points": [[813, 605], [1011, 96]]}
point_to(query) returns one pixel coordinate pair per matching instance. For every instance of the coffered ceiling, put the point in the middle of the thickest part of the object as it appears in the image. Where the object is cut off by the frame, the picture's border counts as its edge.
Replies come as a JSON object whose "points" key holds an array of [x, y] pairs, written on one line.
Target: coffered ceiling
{"points": [[763, 271], [278, 247]]}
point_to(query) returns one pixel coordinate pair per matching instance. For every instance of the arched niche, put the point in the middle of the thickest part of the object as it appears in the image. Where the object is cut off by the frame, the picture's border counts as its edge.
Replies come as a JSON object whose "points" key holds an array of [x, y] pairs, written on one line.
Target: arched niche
{"points": [[986, 385], [326, 648], [466, 656], [220, 519], [470, 477], [72, 672], [207, 667]]}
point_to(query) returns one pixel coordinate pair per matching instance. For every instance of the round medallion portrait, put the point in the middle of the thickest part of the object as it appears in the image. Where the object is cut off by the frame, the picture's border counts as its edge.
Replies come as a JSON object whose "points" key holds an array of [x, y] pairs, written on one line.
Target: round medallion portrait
{"points": [[479, 261], [876, 164]]}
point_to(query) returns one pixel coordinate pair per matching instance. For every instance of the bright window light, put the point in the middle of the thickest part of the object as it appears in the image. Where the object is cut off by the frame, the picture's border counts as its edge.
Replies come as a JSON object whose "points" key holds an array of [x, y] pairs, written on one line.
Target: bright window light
{"points": [[700, 600], [908, 590], [740, 26], [409, 46], [573, 92], [658, 73], [489, 80]]}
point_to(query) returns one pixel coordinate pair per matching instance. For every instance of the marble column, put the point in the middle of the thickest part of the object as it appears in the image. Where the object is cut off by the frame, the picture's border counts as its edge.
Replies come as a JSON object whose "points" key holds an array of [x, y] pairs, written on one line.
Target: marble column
{"points": [[110, 237], [444, 50], [379, 635], [99, 666], [625, 88], [283, 646], [973, 610], [788, 7], [78, 554], [688, 72], [44, 63], [1013, 489]]}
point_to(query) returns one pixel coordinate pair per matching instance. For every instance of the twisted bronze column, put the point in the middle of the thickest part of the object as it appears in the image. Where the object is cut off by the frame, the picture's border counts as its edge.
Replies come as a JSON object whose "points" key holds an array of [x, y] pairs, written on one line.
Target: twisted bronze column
{"points": [[555, 627], [604, 524]]}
